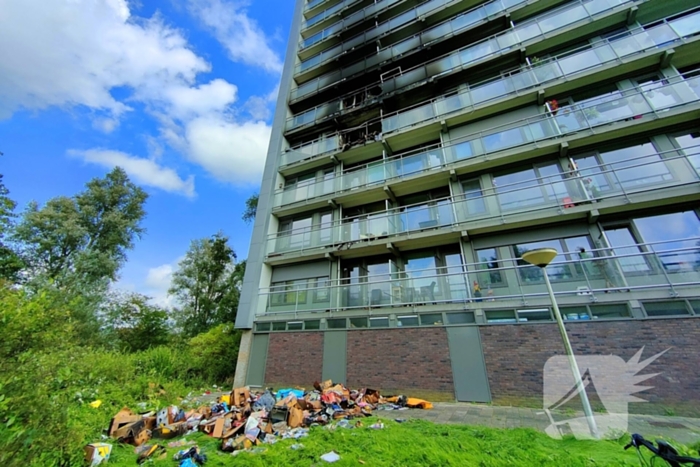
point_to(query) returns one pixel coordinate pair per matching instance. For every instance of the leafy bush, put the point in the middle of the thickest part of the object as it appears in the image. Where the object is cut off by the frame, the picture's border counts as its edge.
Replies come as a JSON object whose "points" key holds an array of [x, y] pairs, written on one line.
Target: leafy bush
{"points": [[214, 353]]}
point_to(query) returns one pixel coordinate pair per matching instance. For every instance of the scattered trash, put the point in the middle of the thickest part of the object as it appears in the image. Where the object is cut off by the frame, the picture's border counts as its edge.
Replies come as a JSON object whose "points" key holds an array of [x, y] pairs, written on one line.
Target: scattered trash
{"points": [[146, 451], [96, 404], [400, 420], [296, 446], [330, 457], [97, 453], [244, 421]]}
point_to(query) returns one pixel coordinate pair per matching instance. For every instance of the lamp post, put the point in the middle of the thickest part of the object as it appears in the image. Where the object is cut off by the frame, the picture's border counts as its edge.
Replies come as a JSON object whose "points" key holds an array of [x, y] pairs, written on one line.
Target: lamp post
{"points": [[541, 258]]}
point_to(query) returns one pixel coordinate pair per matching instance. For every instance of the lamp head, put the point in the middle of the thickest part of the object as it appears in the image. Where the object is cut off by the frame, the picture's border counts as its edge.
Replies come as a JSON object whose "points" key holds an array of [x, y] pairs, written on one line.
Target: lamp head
{"points": [[540, 257]]}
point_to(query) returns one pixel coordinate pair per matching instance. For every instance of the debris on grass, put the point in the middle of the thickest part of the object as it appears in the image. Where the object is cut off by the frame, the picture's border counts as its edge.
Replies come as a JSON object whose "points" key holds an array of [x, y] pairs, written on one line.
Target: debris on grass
{"points": [[243, 421], [330, 457]]}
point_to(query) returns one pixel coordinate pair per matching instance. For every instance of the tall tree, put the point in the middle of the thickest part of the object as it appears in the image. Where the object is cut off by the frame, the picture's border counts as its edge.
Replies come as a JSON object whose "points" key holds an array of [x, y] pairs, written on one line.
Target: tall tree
{"points": [[135, 323], [10, 263], [84, 237], [206, 285], [251, 208]]}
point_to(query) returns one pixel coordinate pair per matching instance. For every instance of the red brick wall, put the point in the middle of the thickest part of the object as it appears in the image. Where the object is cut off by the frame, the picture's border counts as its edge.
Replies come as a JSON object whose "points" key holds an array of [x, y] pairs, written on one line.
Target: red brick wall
{"points": [[399, 359], [294, 358], [515, 355]]}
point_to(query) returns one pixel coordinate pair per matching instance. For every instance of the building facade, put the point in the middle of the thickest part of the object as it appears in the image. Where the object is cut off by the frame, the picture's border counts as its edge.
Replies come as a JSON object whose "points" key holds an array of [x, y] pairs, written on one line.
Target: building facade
{"points": [[419, 148]]}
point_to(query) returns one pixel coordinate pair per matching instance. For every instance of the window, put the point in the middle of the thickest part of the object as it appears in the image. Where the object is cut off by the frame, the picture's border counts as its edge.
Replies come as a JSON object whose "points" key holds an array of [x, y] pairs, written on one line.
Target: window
{"points": [[312, 324], [567, 265], [460, 318], [573, 313], [295, 326], [542, 184], [542, 314], [288, 292], [691, 148], [674, 239], [337, 323], [279, 326], [488, 261], [433, 319], [382, 322], [321, 290], [407, 321], [666, 308], [500, 316], [358, 322], [618, 310], [262, 327], [474, 198]]}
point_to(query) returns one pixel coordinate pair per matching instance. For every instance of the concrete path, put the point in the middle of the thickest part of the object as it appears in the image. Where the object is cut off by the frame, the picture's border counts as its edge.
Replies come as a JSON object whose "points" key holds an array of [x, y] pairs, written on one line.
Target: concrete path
{"points": [[685, 430]]}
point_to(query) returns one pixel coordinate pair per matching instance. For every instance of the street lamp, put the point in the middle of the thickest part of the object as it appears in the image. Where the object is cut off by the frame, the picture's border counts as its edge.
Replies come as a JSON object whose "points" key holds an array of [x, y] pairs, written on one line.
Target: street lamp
{"points": [[541, 258]]}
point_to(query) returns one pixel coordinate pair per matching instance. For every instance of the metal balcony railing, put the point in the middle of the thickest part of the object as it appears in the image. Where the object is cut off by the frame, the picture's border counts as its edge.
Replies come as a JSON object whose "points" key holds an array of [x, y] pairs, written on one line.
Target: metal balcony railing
{"points": [[671, 266], [545, 196], [446, 29], [473, 54], [568, 120]]}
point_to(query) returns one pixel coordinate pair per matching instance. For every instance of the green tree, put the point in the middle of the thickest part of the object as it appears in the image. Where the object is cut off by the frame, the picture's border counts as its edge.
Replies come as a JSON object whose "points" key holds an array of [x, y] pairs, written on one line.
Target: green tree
{"points": [[10, 262], [251, 209], [135, 323], [84, 237], [206, 285]]}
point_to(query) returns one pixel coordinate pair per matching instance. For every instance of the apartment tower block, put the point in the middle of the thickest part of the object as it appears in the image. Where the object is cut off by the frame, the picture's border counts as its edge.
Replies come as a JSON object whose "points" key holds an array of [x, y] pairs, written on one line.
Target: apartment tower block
{"points": [[420, 147]]}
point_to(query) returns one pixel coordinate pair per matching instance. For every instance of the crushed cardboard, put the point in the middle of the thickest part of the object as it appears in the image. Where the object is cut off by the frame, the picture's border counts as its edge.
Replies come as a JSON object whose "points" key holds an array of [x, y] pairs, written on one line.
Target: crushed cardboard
{"points": [[240, 423]]}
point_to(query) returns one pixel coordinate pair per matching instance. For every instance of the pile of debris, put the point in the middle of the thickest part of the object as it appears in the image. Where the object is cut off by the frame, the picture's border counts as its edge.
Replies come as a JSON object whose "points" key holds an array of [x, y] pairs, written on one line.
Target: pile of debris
{"points": [[243, 419]]}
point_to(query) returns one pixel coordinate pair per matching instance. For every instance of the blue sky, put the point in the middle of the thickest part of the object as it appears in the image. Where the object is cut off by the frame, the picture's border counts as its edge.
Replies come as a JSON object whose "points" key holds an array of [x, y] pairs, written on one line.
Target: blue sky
{"points": [[178, 92]]}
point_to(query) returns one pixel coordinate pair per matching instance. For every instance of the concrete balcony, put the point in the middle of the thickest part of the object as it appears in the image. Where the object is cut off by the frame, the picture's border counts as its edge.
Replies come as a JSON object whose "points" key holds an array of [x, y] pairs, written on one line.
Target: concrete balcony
{"points": [[479, 15], [432, 162], [659, 270], [585, 193], [564, 20]]}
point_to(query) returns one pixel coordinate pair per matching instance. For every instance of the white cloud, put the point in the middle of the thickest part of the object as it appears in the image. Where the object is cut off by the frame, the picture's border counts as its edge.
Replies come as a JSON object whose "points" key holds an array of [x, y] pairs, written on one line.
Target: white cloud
{"points": [[157, 283], [144, 171], [230, 151], [260, 107], [73, 53], [68, 53], [237, 32]]}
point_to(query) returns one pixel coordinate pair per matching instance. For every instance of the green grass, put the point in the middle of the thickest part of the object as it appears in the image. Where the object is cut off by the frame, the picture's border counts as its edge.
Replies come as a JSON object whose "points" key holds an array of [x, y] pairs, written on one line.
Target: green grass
{"points": [[414, 443]]}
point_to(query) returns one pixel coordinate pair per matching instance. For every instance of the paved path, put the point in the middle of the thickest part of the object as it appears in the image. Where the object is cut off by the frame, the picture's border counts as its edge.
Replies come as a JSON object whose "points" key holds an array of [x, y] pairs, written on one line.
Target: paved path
{"points": [[682, 429]]}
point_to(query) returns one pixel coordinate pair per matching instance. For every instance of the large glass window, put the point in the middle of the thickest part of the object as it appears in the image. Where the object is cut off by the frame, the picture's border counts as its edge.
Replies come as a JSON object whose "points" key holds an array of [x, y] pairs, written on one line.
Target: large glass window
{"points": [[691, 148], [542, 184], [488, 261], [567, 265], [288, 292], [674, 239], [474, 198]]}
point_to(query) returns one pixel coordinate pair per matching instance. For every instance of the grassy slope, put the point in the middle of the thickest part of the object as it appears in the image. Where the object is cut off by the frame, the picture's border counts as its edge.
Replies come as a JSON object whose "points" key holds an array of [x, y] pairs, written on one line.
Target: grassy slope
{"points": [[415, 443]]}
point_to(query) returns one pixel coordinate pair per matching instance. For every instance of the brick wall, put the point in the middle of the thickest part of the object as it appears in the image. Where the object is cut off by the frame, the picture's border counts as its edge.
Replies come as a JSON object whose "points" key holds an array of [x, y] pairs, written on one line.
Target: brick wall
{"points": [[515, 356], [400, 359], [294, 358]]}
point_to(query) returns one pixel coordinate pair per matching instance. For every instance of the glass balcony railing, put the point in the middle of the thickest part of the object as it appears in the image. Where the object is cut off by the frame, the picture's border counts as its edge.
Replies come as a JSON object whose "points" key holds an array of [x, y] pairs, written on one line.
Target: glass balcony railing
{"points": [[486, 49], [569, 65], [313, 4], [444, 30], [525, 199], [615, 107], [576, 277], [323, 145], [327, 13], [367, 12]]}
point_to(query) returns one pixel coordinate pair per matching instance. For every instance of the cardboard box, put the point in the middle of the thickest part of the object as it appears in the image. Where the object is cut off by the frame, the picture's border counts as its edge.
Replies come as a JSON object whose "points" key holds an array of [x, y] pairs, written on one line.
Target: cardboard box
{"points": [[122, 418], [296, 417], [97, 453], [240, 396]]}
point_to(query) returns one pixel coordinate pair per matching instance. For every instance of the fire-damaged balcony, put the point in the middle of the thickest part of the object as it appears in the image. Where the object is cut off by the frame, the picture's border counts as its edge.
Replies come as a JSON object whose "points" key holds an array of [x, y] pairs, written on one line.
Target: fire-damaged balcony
{"points": [[668, 39], [535, 31]]}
